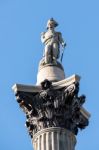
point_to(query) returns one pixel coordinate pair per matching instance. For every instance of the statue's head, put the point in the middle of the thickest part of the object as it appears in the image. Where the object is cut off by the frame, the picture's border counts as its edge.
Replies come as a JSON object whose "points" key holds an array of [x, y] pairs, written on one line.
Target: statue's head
{"points": [[51, 23]]}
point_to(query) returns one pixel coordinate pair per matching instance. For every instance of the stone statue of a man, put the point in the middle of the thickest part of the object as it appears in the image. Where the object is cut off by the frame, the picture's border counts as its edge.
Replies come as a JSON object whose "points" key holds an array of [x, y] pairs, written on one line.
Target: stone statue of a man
{"points": [[52, 41]]}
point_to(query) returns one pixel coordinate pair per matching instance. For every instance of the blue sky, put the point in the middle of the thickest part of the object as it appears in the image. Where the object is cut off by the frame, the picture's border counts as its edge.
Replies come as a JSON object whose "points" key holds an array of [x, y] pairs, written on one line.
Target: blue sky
{"points": [[21, 22]]}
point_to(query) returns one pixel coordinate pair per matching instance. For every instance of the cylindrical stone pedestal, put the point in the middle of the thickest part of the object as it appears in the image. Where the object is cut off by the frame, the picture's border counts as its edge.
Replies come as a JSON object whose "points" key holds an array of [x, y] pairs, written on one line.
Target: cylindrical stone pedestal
{"points": [[54, 139], [51, 72]]}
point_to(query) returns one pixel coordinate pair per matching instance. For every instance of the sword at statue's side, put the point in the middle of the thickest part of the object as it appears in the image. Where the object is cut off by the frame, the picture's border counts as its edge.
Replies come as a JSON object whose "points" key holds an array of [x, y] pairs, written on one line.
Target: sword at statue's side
{"points": [[63, 48]]}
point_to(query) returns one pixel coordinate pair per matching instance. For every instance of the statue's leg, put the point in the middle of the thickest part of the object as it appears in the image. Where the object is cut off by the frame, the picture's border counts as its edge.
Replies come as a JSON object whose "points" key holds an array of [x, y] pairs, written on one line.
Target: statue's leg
{"points": [[47, 53], [55, 51]]}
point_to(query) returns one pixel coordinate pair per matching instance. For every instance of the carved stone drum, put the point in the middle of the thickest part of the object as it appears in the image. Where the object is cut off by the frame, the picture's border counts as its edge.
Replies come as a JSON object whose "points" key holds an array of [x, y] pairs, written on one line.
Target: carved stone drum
{"points": [[52, 72]]}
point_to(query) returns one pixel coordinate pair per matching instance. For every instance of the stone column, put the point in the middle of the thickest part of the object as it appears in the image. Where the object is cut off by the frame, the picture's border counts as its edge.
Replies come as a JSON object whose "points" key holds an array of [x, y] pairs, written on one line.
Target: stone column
{"points": [[54, 138], [54, 110], [54, 113]]}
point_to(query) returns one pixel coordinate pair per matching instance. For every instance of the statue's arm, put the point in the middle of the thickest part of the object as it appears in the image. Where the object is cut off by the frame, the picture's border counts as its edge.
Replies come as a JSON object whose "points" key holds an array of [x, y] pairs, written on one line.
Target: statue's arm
{"points": [[43, 37]]}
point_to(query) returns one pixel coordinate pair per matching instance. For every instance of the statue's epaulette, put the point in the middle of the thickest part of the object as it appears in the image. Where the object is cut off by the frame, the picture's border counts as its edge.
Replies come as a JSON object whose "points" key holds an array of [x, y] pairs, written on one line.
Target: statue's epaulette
{"points": [[59, 33], [42, 33]]}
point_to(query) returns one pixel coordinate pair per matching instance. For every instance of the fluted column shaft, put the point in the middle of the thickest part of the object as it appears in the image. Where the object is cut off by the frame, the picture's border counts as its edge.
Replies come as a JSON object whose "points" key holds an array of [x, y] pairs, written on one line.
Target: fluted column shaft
{"points": [[54, 139]]}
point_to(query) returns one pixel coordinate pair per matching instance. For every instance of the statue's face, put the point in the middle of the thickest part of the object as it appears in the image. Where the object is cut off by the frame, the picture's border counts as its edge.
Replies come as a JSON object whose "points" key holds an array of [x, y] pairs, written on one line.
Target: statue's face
{"points": [[51, 25]]}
